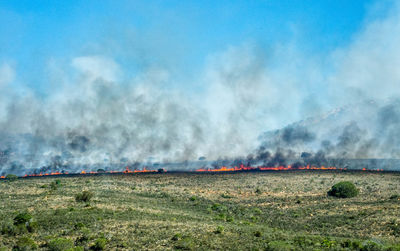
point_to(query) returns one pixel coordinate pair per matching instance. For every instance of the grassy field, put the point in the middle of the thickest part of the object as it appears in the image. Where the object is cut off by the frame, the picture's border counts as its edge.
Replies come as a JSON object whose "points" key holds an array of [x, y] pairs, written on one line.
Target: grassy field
{"points": [[240, 211]]}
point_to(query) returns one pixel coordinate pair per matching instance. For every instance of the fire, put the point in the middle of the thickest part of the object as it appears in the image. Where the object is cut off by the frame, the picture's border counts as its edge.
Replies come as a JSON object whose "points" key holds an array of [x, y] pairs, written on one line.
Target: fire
{"points": [[221, 169], [277, 168], [264, 168]]}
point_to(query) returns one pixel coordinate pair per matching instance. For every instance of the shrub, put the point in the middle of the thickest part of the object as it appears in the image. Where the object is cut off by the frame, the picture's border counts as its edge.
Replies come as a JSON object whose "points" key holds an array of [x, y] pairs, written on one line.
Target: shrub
{"points": [[99, 244], [344, 189], [230, 218], [60, 244], [394, 226], [395, 197], [79, 226], [22, 218], [11, 177], [193, 198], [219, 229], [32, 226], [176, 237], [85, 196], [226, 196], [257, 234], [8, 229], [218, 207], [25, 244], [279, 246], [371, 246], [352, 244], [186, 243], [54, 185]]}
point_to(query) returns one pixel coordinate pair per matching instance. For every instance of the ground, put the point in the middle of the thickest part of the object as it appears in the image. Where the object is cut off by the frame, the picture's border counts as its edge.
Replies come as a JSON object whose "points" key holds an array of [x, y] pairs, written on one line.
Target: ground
{"points": [[235, 211]]}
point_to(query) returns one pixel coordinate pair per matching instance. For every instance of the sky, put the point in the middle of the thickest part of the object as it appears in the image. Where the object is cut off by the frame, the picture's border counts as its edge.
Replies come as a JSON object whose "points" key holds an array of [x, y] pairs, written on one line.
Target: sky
{"points": [[178, 35], [87, 81]]}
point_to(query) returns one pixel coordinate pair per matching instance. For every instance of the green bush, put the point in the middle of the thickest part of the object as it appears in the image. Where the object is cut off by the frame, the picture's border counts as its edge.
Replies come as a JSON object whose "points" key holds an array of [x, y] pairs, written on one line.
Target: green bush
{"points": [[177, 237], [8, 229], [32, 226], [24, 222], [22, 218], [54, 185], [11, 177], [85, 196], [219, 229], [372, 246], [186, 243], [344, 189], [279, 246], [25, 244], [218, 207], [60, 244], [352, 244], [99, 244]]}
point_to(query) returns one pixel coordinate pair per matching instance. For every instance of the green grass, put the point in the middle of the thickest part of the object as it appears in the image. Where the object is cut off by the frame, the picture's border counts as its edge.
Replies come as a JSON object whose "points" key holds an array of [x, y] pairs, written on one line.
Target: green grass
{"points": [[242, 211]]}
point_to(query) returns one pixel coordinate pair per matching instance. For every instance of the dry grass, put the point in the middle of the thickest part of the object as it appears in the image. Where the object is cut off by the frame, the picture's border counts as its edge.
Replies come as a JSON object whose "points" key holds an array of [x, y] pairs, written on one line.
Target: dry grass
{"points": [[145, 211]]}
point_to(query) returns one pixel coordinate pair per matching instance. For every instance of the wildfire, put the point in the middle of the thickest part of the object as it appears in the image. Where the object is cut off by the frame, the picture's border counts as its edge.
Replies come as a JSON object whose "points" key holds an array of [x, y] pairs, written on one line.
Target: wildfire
{"points": [[264, 168], [221, 169], [278, 168]]}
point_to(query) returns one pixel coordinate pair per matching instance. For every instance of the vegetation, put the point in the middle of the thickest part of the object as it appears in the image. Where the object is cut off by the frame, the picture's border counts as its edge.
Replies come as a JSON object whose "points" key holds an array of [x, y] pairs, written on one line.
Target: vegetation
{"points": [[11, 177], [22, 218], [25, 244], [85, 196], [344, 189], [60, 244], [241, 211]]}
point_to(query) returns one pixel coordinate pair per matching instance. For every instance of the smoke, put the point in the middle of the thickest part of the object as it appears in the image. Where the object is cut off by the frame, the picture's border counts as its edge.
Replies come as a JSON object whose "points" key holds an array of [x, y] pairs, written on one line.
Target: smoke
{"points": [[94, 115], [7, 74]]}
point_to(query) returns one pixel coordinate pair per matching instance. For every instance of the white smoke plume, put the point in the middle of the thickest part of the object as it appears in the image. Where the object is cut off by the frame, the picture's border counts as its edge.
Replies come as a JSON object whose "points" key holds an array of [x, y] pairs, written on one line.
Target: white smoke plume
{"points": [[95, 116]]}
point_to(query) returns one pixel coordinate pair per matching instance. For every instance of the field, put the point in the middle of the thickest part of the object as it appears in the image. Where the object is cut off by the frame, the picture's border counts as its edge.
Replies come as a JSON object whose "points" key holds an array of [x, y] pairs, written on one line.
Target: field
{"points": [[239, 211]]}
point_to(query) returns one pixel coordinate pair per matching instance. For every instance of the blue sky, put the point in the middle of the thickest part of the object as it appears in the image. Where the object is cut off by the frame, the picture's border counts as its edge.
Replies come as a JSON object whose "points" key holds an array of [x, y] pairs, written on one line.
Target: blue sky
{"points": [[178, 35]]}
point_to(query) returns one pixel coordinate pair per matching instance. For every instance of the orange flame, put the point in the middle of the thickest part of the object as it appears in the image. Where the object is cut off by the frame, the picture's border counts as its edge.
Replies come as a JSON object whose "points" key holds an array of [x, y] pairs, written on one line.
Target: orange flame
{"points": [[265, 168], [221, 169]]}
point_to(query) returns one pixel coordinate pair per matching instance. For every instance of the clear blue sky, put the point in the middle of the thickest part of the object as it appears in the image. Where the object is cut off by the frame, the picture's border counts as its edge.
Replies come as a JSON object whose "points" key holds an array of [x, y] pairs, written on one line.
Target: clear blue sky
{"points": [[176, 34]]}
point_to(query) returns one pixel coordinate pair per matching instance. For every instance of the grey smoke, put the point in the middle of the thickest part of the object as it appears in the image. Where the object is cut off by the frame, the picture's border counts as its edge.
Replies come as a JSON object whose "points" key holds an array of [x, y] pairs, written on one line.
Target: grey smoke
{"points": [[93, 116]]}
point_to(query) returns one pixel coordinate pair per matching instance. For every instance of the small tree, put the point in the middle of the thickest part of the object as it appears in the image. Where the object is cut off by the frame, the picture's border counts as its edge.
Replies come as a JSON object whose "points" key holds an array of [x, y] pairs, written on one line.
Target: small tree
{"points": [[344, 189]]}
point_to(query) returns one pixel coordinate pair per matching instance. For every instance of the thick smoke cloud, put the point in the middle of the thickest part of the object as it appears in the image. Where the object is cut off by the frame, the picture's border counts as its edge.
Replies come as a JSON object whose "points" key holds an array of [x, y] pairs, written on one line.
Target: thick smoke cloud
{"points": [[93, 116]]}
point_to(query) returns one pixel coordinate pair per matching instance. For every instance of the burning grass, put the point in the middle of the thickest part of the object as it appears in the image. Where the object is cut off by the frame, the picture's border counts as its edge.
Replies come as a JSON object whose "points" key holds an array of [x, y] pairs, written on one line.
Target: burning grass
{"points": [[268, 211]]}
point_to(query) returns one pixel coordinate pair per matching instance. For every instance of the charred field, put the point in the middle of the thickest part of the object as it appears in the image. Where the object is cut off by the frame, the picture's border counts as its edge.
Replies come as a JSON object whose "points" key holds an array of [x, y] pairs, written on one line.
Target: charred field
{"points": [[208, 211]]}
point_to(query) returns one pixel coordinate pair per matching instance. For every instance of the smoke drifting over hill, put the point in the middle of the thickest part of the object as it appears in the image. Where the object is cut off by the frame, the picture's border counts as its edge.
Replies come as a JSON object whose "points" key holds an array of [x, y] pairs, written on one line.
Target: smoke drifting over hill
{"points": [[97, 117]]}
